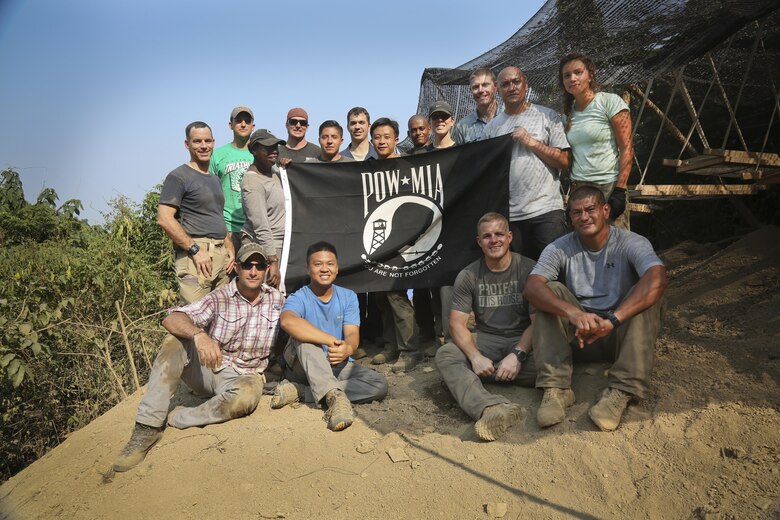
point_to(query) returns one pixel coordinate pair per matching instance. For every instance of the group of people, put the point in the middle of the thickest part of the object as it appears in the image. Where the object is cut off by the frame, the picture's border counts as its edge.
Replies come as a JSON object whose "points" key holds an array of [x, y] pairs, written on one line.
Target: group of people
{"points": [[541, 297]]}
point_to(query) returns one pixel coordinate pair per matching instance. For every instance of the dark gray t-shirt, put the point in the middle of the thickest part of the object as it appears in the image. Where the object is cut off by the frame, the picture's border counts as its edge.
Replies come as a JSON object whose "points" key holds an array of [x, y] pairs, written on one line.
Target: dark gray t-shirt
{"points": [[199, 199], [495, 298], [598, 279], [299, 156]]}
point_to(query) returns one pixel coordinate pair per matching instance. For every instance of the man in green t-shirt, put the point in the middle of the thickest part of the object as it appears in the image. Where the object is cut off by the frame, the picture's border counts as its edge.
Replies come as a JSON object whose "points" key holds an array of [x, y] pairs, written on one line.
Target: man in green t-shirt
{"points": [[229, 162]]}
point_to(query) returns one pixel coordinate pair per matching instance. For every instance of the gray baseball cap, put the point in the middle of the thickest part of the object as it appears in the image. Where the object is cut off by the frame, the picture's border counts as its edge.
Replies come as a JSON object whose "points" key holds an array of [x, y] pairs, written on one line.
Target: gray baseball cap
{"points": [[440, 106], [265, 138], [240, 109]]}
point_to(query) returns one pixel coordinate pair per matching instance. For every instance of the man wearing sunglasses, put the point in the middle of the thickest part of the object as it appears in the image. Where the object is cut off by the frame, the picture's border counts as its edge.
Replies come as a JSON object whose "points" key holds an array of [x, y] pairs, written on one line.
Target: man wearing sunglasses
{"points": [[297, 148], [229, 163], [219, 346], [323, 322], [536, 215]]}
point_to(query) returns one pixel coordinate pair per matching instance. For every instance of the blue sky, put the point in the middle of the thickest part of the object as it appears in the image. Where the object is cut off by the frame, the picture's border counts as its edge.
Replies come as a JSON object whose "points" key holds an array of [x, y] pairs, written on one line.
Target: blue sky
{"points": [[95, 95]]}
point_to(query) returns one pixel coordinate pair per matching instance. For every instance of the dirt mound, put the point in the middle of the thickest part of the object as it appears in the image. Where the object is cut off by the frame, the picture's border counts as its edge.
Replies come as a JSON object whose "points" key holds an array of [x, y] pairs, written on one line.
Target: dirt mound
{"points": [[706, 445]]}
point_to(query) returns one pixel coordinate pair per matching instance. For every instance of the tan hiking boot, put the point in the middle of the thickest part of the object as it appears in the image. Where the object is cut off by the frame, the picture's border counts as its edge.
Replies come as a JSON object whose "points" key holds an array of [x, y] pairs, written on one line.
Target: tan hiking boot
{"points": [[554, 405], [497, 419], [359, 353], [386, 356], [406, 361], [286, 392], [339, 413], [141, 441], [609, 410]]}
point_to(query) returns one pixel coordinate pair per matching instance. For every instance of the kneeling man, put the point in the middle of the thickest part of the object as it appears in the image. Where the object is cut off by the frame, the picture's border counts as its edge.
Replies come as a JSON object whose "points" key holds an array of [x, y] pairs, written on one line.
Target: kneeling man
{"points": [[323, 322], [597, 292], [219, 347], [492, 288]]}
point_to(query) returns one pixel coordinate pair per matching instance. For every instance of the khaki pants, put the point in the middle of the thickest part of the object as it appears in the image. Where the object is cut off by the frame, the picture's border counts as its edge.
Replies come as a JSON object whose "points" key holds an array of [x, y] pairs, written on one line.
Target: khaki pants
{"points": [[232, 394], [630, 346], [398, 325], [193, 286], [466, 386]]}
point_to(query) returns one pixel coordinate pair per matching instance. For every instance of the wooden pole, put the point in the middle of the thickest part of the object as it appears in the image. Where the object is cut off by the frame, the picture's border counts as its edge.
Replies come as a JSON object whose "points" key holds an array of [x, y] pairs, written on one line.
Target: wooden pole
{"points": [[127, 345]]}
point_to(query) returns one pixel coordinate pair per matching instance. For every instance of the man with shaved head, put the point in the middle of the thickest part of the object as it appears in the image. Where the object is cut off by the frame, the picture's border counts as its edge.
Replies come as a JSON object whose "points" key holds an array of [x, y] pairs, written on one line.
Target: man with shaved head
{"points": [[536, 215], [420, 134]]}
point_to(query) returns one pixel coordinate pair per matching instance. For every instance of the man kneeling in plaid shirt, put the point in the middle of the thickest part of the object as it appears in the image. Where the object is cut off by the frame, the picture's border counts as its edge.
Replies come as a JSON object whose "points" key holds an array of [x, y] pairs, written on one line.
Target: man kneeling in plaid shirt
{"points": [[219, 346]]}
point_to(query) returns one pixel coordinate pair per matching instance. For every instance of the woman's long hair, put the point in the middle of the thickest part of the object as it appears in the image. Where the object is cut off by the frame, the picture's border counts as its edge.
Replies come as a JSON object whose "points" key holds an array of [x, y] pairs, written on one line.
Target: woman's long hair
{"points": [[568, 99]]}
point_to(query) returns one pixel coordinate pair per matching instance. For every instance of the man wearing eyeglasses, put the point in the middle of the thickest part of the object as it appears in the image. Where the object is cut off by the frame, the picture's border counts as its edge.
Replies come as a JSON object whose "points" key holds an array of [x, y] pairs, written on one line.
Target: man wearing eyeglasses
{"points": [[219, 346], [297, 148], [536, 215], [597, 294], [229, 163], [483, 89]]}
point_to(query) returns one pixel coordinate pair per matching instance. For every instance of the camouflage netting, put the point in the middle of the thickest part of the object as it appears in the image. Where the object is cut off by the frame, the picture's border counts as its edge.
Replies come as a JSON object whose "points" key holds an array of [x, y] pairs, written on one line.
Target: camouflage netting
{"points": [[634, 41]]}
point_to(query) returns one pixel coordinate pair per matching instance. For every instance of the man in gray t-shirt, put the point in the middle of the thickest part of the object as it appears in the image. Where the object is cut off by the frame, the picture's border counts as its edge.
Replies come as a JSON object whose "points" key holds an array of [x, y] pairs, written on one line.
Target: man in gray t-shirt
{"points": [[491, 288], [597, 292], [190, 212], [535, 204]]}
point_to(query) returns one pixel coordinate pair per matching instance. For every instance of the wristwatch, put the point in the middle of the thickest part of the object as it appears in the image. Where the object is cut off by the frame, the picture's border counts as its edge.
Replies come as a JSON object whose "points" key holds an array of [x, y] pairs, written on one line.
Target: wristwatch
{"points": [[613, 319], [193, 250], [522, 355]]}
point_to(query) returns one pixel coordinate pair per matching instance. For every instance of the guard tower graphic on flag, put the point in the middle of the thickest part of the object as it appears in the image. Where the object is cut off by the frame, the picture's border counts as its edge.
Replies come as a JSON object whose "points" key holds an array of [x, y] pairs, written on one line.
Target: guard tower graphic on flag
{"points": [[378, 238]]}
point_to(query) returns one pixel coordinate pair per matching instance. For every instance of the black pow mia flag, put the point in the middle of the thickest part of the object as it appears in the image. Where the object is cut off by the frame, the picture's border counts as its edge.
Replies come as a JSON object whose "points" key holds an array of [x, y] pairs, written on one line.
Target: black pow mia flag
{"points": [[400, 223]]}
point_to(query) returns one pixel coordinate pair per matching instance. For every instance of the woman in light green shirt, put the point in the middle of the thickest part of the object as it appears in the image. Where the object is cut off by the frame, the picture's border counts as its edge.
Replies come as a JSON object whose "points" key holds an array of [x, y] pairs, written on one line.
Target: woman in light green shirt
{"points": [[598, 128]]}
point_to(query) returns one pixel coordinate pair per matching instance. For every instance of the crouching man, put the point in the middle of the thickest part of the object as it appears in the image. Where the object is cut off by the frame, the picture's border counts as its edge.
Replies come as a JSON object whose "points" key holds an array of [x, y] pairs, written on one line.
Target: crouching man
{"points": [[219, 346], [323, 322], [491, 287], [597, 292]]}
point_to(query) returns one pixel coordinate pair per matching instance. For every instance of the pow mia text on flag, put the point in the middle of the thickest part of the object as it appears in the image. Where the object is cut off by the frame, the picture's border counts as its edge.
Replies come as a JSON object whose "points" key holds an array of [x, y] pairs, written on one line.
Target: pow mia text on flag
{"points": [[396, 223]]}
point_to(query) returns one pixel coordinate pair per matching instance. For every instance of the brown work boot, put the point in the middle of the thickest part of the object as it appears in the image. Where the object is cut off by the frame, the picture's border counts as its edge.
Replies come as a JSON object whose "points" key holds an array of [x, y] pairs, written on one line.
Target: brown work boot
{"points": [[387, 355], [359, 353], [554, 405], [339, 413], [141, 441], [496, 420], [287, 392], [406, 361], [609, 410]]}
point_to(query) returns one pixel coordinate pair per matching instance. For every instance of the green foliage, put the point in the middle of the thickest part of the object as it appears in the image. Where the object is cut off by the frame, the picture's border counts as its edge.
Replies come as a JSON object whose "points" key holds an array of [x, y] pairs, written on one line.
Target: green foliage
{"points": [[63, 360]]}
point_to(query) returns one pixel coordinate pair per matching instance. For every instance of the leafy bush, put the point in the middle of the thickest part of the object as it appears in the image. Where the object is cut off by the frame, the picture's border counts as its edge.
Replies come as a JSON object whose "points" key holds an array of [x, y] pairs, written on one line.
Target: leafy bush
{"points": [[74, 299]]}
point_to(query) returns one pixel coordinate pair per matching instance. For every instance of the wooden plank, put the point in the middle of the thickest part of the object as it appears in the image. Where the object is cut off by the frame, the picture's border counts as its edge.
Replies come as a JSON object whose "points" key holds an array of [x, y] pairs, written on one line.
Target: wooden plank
{"points": [[699, 162], [730, 172], [694, 190], [635, 207], [740, 157]]}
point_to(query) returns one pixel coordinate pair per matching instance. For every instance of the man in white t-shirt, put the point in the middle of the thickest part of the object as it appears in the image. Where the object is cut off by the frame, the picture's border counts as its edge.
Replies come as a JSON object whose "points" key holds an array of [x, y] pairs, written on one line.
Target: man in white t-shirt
{"points": [[536, 215]]}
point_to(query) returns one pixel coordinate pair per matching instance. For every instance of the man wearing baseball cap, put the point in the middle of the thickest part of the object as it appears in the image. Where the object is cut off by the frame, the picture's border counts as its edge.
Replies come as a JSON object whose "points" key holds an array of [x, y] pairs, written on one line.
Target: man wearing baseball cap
{"points": [[263, 199], [219, 346], [297, 148], [229, 163]]}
